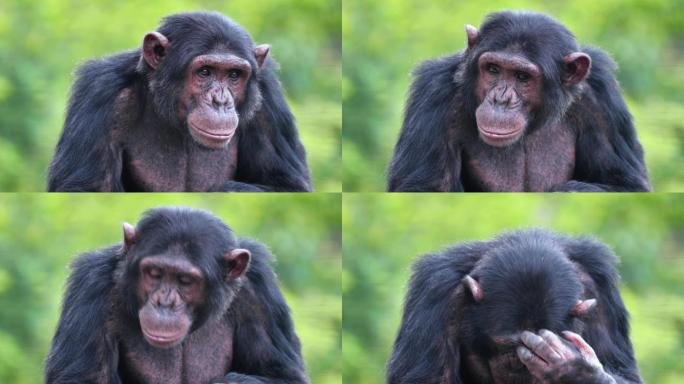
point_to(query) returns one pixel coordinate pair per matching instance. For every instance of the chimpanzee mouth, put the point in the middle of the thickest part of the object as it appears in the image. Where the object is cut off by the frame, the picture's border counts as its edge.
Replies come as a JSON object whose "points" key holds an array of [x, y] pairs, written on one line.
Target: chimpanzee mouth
{"points": [[501, 135], [500, 138], [162, 340], [214, 135], [214, 139]]}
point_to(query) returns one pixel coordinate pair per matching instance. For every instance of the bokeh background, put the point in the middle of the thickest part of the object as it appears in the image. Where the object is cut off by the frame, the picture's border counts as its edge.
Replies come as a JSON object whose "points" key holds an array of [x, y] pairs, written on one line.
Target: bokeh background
{"points": [[384, 234], [384, 40], [42, 42], [40, 234]]}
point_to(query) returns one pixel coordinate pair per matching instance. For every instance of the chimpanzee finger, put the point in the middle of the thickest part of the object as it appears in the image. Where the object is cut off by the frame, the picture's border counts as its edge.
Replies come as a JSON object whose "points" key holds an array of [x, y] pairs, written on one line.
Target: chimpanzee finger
{"points": [[585, 349], [562, 348], [534, 364], [540, 347]]}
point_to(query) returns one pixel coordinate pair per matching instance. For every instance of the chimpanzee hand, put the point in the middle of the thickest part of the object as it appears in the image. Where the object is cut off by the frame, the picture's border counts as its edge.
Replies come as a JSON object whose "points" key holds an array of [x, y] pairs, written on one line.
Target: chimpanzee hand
{"points": [[552, 360]]}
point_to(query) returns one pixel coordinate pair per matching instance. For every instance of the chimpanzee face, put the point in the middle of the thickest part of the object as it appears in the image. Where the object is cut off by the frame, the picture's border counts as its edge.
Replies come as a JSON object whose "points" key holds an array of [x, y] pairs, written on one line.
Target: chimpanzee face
{"points": [[492, 324], [170, 291], [216, 85], [508, 90]]}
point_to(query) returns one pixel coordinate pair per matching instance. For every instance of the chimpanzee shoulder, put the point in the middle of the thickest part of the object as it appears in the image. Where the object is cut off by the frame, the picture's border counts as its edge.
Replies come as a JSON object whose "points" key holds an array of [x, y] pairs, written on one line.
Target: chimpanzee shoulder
{"points": [[428, 115]]}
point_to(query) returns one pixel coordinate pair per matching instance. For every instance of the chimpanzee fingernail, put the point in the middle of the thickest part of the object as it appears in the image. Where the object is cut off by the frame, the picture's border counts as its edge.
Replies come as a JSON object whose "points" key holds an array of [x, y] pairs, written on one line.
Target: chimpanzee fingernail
{"points": [[524, 353]]}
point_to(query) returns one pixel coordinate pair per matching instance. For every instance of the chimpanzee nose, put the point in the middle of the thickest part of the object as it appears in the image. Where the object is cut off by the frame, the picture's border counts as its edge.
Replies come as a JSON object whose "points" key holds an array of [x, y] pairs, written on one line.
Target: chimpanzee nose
{"points": [[221, 98], [503, 95], [167, 299]]}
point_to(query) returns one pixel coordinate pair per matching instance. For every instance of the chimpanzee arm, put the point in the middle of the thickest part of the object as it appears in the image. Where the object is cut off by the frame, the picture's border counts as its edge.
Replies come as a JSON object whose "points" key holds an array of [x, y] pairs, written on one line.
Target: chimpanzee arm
{"points": [[608, 334], [425, 350], [608, 154], [424, 160], [270, 155], [86, 158], [83, 351], [266, 348]]}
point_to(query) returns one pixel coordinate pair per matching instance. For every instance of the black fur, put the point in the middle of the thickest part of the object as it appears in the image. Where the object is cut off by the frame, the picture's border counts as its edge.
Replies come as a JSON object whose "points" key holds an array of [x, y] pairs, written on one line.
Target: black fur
{"points": [[99, 296], [87, 158], [440, 113], [439, 321]]}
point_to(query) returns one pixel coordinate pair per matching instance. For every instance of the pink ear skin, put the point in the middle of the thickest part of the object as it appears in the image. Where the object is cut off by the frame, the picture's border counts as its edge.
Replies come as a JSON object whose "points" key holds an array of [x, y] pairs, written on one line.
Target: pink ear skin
{"points": [[577, 65], [129, 236], [238, 260], [154, 49], [583, 308], [473, 34], [474, 288], [261, 53]]}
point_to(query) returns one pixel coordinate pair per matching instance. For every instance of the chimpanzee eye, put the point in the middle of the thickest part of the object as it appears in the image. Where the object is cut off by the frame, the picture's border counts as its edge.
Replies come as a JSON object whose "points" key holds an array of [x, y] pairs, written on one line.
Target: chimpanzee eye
{"points": [[185, 280], [522, 76], [234, 74], [491, 68], [154, 273], [204, 72]]}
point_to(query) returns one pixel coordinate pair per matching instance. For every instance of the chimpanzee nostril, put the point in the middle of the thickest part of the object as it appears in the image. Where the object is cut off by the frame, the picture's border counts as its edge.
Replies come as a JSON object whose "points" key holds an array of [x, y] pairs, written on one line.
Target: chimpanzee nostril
{"points": [[221, 98]]}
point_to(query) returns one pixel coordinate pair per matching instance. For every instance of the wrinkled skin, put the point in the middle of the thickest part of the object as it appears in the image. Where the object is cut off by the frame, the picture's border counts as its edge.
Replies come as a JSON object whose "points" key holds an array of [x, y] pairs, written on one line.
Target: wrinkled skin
{"points": [[552, 360], [170, 289], [216, 84], [508, 90]]}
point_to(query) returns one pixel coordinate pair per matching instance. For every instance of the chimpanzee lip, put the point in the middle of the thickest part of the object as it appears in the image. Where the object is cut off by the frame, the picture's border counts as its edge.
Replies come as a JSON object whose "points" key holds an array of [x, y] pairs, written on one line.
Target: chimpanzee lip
{"points": [[500, 136], [162, 339], [213, 135]]}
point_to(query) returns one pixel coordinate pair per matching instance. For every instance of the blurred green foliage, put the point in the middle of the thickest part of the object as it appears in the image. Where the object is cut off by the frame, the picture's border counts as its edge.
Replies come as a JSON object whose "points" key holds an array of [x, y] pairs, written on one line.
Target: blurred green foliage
{"points": [[41, 233], [42, 42], [385, 233], [384, 40]]}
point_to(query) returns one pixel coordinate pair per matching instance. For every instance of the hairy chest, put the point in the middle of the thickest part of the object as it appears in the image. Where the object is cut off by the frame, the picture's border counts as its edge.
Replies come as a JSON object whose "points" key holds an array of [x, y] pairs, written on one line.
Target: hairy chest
{"points": [[539, 161], [204, 355], [159, 161]]}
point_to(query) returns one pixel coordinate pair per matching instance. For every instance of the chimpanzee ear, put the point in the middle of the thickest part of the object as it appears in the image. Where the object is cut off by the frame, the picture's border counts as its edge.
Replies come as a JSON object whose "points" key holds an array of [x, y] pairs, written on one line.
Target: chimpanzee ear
{"points": [[577, 65], [474, 287], [155, 47], [238, 260], [583, 308], [129, 236], [261, 53], [473, 35]]}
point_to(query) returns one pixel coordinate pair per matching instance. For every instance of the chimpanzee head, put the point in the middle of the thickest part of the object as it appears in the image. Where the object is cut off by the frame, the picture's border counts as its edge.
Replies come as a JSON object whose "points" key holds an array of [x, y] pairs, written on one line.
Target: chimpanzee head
{"points": [[524, 70], [181, 268], [202, 70], [525, 284]]}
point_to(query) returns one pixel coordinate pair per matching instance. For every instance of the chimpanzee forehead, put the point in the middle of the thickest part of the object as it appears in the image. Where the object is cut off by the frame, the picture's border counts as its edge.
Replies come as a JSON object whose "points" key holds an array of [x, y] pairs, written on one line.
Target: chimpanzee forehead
{"points": [[175, 260], [511, 61], [219, 59]]}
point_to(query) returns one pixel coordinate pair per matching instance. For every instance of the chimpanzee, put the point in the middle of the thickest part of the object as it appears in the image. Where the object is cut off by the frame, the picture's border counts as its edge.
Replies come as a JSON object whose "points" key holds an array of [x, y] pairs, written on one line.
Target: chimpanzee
{"points": [[522, 108], [530, 306], [197, 108], [181, 300]]}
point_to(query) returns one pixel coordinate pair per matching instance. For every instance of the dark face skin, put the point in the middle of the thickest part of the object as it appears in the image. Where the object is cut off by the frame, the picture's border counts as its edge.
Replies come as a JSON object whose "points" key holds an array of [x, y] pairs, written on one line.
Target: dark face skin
{"points": [[170, 290], [215, 86], [508, 90]]}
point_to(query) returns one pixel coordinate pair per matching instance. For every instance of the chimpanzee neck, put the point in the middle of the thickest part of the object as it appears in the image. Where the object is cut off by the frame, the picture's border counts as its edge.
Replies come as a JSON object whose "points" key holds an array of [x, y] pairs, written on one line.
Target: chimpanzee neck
{"points": [[205, 354], [158, 156]]}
